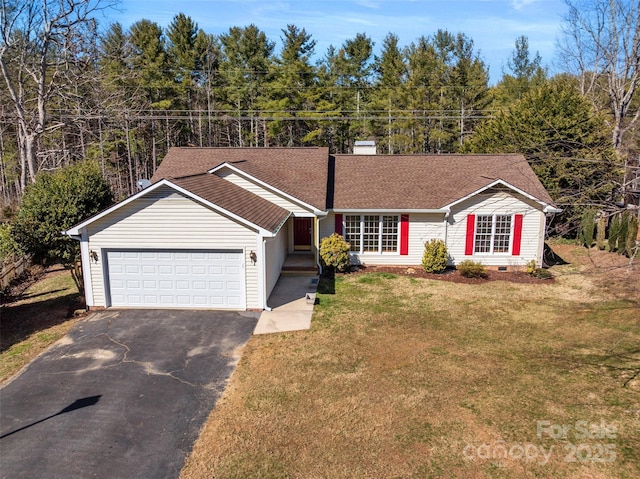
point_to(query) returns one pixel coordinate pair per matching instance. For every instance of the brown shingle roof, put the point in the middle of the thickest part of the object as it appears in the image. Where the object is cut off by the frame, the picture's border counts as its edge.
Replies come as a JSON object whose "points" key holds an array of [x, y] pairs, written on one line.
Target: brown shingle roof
{"points": [[361, 181], [234, 199], [299, 172], [425, 181]]}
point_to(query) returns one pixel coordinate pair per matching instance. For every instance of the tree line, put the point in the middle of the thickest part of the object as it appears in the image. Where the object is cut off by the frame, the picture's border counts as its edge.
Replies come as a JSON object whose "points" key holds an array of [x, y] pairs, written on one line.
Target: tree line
{"points": [[123, 96]]}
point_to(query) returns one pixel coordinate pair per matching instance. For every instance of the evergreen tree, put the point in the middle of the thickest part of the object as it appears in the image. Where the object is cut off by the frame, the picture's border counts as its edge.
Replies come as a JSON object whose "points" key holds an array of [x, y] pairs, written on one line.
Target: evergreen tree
{"points": [[388, 95], [184, 59], [55, 202], [291, 91], [566, 143], [469, 89], [356, 67], [526, 73], [148, 58], [245, 66]]}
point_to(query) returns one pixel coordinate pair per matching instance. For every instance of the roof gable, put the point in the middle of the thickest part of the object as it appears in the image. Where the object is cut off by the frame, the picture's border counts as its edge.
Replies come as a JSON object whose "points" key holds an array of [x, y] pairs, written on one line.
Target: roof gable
{"points": [[222, 196]]}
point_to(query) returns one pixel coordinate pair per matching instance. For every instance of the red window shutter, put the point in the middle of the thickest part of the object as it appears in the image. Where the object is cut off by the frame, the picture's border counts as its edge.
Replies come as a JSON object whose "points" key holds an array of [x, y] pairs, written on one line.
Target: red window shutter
{"points": [[517, 235], [339, 224], [471, 233], [404, 234]]}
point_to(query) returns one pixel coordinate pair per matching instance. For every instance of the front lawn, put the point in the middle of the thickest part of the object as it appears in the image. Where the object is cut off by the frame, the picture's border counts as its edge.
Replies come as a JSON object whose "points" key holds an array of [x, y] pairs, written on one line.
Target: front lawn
{"points": [[408, 377]]}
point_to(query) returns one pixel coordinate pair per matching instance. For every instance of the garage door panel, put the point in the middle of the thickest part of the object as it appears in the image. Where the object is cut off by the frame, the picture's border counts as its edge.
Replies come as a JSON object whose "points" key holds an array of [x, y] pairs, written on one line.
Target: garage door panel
{"points": [[176, 278], [200, 270], [165, 269], [181, 269]]}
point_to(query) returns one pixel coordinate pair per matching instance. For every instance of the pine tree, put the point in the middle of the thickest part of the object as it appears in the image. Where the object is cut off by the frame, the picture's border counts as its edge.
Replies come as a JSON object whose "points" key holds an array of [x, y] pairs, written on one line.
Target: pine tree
{"points": [[388, 94], [245, 66], [290, 92], [526, 73]]}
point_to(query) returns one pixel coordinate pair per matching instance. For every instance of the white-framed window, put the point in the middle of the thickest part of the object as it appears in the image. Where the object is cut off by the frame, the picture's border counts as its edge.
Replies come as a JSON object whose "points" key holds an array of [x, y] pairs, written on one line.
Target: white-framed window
{"points": [[493, 234], [372, 233]]}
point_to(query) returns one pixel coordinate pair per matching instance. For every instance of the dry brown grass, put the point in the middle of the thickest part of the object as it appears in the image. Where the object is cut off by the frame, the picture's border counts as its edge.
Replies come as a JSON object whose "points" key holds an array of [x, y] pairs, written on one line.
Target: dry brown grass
{"points": [[37, 318], [399, 375]]}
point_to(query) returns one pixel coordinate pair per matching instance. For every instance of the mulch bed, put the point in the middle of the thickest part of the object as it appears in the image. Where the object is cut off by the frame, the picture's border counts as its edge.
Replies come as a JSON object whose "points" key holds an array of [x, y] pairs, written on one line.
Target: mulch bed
{"points": [[453, 275]]}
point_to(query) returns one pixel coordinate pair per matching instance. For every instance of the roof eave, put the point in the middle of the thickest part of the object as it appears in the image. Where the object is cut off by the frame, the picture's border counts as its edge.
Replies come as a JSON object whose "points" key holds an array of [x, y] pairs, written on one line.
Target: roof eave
{"points": [[499, 181], [444, 210]]}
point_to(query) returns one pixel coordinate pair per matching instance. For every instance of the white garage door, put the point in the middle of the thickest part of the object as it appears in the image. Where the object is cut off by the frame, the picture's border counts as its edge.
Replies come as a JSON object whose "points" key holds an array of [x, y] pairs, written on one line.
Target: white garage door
{"points": [[177, 279]]}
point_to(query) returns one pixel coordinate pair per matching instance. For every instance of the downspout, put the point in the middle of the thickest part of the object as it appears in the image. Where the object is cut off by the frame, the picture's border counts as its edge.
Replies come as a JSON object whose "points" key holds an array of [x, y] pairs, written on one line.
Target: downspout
{"points": [[447, 212], [317, 241]]}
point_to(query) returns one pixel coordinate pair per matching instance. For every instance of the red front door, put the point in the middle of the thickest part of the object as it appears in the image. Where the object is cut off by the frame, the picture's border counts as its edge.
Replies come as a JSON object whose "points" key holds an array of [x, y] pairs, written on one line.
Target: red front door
{"points": [[302, 234]]}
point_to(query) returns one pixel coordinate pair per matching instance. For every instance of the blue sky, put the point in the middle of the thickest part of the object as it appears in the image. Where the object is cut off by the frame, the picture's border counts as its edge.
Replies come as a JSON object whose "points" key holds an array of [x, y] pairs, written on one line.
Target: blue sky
{"points": [[492, 24]]}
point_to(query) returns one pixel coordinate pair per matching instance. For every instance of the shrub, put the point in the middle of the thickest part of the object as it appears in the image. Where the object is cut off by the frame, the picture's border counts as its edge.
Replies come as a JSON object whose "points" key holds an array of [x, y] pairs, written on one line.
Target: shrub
{"points": [[57, 201], [601, 232], [531, 267], [632, 234], [587, 227], [542, 273], [434, 258], [334, 251], [8, 245], [614, 232], [472, 269], [622, 234]]}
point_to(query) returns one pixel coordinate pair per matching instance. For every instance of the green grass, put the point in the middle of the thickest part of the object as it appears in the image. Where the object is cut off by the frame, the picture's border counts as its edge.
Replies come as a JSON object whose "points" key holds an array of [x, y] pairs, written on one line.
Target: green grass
{"points": [[398, 375]]}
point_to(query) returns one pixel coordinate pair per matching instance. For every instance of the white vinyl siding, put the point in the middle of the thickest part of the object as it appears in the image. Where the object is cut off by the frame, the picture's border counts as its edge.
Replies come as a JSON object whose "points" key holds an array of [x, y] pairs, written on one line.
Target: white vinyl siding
{"points": [[167, 220], [263, 192], [498, 203], [276, 253]]}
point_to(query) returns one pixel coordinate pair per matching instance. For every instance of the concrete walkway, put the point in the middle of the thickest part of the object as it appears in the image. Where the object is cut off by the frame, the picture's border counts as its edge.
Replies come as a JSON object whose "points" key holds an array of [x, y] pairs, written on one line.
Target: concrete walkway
{"points": [[290, 309]]}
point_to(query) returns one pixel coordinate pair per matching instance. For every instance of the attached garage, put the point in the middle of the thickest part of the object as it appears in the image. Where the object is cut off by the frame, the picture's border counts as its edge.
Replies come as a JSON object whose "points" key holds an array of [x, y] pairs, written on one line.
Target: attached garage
{"points": [[176, 278], [193, 243]]}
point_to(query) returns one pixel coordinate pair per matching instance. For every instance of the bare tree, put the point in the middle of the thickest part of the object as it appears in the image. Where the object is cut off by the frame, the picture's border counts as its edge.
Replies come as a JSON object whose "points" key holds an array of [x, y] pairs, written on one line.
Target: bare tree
{"points": [[37, 43], [601, 44]]}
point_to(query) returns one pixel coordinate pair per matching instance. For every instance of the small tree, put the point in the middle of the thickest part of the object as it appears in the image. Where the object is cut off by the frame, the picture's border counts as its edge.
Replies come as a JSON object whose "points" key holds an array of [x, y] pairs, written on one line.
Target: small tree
{"points": [[601, 232], [587, 227], [53, 204], [434, 258], [334, 251], [632, 234], [615, 227]]}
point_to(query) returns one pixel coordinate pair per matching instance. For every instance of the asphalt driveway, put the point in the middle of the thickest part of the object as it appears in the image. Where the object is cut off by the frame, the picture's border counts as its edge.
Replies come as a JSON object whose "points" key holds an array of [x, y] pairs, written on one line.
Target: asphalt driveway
{"points": [[123, 395]]}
